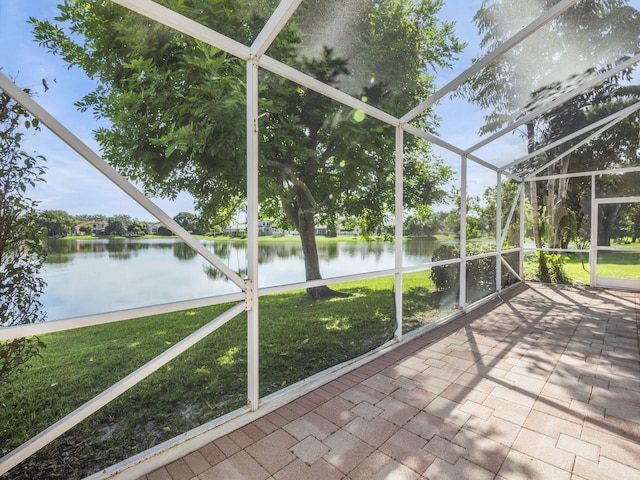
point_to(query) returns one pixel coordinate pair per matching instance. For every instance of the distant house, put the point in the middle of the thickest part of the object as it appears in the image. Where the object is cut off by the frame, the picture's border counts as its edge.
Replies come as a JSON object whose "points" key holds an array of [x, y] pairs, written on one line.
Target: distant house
{"points": [[236, 229], [265, 227], [153, 227], [321, 230], [97, 227], [357, 230]]}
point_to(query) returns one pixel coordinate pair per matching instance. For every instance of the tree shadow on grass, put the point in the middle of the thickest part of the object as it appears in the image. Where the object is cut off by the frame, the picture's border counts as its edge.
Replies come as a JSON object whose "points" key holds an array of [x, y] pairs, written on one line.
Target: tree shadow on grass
{"points": [[300, 336]]}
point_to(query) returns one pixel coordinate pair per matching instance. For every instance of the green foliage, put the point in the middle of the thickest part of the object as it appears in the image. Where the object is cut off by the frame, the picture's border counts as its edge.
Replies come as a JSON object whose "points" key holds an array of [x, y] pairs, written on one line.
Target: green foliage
{"points": [[548, 268], [115, 227], [138, 227], [21, 252], [177, 107], [604, 32], [56, 223], [446, 277], [630, 223], [515, 85], [190, 222], [164, 231], [425, 224], [481, 273]]}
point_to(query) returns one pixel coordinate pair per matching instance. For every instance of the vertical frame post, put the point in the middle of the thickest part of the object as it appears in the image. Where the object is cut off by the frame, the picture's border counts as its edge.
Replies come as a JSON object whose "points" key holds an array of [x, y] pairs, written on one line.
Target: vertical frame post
{"points": [[523, 198], [498, 231], [593, 251], [463, 232], [251, 290], [399, 210]]}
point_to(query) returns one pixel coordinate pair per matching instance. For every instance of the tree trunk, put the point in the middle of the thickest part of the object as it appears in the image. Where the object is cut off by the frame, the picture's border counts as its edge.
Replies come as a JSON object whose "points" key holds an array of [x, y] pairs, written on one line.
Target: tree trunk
{"points": [[557, 205], [534, 215], [606, 223], [307, 230]]}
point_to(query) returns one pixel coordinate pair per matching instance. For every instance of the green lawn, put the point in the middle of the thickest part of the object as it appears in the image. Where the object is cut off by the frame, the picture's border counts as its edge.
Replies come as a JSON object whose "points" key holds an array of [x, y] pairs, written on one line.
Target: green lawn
{"points": [[610, 264], [298, 337]]}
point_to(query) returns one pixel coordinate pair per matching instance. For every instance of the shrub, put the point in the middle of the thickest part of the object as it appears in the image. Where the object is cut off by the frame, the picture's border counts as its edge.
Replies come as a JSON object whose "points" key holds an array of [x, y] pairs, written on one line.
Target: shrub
{"points": [[446, 276], [21, 251], [549, 268], [480, 272]]}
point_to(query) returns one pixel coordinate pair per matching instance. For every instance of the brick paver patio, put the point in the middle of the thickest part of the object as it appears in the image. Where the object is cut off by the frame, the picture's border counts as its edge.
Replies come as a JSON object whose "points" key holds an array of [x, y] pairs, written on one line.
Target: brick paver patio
{"points": [[543, 383]]}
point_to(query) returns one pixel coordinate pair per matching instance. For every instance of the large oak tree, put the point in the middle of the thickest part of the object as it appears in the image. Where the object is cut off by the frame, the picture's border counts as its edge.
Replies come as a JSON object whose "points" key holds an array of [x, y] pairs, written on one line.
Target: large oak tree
{"points": [[176, 106]]}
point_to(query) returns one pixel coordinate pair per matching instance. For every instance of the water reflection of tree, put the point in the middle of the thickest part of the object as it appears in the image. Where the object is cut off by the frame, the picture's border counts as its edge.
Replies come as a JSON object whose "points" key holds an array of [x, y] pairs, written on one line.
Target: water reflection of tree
{"points": [[58, 252], [62, 251], [215, 274], [332, 251], [221, 249], [182, 251], [118, 250], [364, 250], [58, 259], [160, 245], [421, 248], [268, 253]]}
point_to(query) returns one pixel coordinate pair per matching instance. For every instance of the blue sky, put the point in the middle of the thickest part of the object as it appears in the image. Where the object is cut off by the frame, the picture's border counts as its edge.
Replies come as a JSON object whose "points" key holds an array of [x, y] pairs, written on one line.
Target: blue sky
{"points": [[72, 184], [75, 186]]}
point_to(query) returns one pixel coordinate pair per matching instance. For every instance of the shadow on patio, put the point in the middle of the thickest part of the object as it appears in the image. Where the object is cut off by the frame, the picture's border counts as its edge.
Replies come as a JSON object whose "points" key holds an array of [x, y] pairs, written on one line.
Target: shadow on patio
{"points": [[542, 383]]}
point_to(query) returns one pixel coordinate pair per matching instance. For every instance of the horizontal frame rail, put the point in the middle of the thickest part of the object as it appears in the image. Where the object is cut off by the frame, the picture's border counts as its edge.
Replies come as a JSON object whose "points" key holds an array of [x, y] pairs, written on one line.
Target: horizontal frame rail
{"points": [[52, 326]]}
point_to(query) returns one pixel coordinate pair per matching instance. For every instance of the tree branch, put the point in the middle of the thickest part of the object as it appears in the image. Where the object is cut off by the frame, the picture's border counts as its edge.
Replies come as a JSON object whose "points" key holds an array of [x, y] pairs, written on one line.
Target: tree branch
{"points": [[297, 183]]}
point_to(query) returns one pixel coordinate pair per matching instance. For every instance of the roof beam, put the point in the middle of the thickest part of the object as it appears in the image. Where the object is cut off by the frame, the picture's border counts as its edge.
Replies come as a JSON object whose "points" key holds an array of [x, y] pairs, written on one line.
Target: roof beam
{"points": [[559, 101], [269, 32], [200, 32], [526, 32], [622, 114], [611, 171], [274, 25], [580, 144], [179, 22], [452, 148], [305, 80]]}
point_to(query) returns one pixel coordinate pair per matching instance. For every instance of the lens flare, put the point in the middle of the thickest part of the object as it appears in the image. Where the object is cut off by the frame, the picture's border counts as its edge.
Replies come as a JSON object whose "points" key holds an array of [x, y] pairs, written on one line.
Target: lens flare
{"points": [[358, 115]]}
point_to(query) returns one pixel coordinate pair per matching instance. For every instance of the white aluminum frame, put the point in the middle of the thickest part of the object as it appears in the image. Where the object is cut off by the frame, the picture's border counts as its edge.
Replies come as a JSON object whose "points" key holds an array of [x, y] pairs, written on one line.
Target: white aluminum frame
{"points": [[248, 297]]}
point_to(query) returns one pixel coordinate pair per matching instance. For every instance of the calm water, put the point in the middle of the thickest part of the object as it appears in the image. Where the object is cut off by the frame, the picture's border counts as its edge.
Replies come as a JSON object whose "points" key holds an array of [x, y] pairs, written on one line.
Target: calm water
{"points": [[94, 276]]}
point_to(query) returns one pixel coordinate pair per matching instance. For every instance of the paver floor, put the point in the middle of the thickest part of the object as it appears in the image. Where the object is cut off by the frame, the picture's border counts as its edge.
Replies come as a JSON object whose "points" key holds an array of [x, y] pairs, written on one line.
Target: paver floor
{"points": [[543, 383]]}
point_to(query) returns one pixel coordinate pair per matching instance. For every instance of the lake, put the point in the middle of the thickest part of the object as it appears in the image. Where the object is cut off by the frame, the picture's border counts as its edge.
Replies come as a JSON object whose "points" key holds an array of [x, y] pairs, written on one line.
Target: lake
{"points": [[101, 275]]}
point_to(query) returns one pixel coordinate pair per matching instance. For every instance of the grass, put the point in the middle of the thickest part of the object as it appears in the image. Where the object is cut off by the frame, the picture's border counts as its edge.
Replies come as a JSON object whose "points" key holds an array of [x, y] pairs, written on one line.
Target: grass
{"points": [[298, 337], [610, 264]]}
